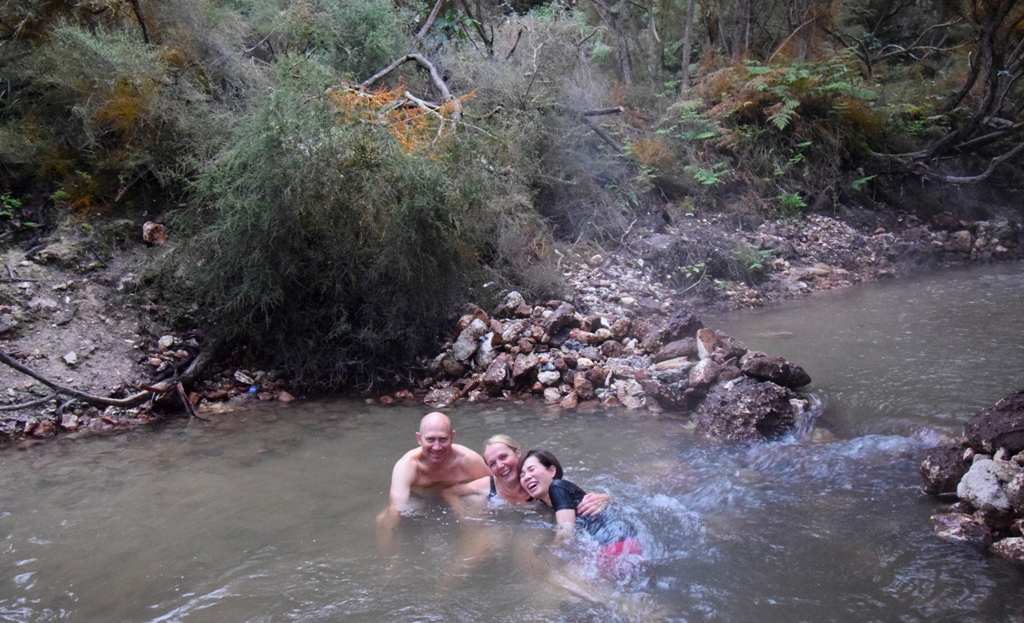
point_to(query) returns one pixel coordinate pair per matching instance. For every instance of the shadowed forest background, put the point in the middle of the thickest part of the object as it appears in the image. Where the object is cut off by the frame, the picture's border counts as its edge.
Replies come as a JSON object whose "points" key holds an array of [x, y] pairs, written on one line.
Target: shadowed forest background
{"points": [[340, 176]]}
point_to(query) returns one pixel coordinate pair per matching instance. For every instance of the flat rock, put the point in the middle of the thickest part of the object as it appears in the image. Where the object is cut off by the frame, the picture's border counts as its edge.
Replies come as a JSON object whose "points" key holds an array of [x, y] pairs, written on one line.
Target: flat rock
{"points": [[676, 349], [777, 370]]}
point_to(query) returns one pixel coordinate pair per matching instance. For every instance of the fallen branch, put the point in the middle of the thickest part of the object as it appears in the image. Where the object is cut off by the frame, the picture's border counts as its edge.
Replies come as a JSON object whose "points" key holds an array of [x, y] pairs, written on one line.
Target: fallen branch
{"points": [[435, 77], [134, 400], [130, 401], [604, 135], [597, 112]]}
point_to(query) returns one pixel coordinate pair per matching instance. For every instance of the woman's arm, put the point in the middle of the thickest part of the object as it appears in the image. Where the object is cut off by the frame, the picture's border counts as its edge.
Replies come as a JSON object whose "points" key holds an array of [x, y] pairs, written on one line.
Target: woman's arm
{"points": [[566, 524], [454, 495]]}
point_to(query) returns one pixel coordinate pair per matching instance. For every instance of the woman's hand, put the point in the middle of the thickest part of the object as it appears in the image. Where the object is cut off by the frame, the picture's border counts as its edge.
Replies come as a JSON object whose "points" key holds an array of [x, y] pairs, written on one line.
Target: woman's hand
{"points": [[592, 504]]}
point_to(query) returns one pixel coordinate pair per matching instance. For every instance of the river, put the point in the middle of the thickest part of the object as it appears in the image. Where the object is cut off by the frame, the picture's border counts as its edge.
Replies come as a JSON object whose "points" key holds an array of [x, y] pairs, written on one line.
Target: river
{"points": [[267, 513]]}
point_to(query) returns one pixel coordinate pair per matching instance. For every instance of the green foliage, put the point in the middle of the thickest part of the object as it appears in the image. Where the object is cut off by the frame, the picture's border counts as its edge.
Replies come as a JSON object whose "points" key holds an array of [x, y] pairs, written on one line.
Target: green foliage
{"points": [[708, 177], [791, 204], [96, 112], [354, 37], [327, 250]]}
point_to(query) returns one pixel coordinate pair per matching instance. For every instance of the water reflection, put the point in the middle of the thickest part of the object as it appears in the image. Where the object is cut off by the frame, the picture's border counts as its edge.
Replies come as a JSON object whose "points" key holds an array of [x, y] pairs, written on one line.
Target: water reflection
{"points": [[267, 514]]}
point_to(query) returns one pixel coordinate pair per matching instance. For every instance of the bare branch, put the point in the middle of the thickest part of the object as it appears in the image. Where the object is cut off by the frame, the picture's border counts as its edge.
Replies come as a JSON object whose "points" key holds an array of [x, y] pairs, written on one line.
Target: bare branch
{"points": [[427, 25], [974, 179]]}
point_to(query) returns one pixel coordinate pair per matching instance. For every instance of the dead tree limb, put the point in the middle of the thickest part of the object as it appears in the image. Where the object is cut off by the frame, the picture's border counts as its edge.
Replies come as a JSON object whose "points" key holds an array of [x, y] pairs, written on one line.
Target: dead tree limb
{"points": [[435, 77], [142, 22], [598, 112], [981, 177], [188, 376], [604, 135], [130, 401], [427, 25]]}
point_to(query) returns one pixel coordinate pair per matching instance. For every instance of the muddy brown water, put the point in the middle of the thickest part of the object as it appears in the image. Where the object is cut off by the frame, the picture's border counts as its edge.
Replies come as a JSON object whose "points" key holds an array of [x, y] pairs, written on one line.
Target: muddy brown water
{"points": [[266, 513]]}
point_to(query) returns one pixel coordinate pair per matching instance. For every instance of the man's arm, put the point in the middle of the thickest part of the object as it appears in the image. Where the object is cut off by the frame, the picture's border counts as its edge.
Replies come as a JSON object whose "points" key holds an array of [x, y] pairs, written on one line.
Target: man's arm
{"points": [[402, 477]]}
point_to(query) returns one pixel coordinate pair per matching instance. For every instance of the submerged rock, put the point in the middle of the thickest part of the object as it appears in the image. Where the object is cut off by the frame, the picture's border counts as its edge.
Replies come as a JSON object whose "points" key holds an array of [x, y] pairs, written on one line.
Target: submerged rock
{"points": [[961, 528], [745, 409]]}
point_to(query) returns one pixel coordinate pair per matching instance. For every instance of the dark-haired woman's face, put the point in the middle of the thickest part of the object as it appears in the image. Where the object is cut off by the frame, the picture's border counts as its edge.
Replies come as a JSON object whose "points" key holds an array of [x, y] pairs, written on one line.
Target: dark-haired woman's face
{"points": [[536, 478]]}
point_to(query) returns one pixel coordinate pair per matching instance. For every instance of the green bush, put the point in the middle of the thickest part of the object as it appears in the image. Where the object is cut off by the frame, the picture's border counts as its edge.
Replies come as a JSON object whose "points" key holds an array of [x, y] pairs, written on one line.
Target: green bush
{"points": [[324, 248], [94, 113]]}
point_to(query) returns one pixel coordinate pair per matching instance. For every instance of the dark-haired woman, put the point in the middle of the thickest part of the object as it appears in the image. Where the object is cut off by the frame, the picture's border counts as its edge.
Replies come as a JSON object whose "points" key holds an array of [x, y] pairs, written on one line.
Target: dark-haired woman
{"points": [[540, 473]]}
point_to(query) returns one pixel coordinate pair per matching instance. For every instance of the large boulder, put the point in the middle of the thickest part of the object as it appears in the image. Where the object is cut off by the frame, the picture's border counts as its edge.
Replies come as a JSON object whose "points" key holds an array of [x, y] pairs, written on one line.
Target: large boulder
{"points": [[776, 370], [942, 468], [999, 426], [745, 409]]}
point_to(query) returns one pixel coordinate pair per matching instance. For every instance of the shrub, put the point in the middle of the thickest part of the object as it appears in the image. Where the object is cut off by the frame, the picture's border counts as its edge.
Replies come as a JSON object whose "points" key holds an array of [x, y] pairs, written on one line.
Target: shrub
{"points": [[95, 113], [325, 247]]}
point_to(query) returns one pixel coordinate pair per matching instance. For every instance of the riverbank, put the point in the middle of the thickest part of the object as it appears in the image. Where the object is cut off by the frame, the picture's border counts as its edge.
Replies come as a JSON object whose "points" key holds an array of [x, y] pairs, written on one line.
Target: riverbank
{"points": [[80, 317]]}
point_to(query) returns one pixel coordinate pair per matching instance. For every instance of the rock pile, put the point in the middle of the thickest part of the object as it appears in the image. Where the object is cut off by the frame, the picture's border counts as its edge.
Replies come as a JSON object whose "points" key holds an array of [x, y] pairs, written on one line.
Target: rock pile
{"points": [[986, 472], [569, 358]]}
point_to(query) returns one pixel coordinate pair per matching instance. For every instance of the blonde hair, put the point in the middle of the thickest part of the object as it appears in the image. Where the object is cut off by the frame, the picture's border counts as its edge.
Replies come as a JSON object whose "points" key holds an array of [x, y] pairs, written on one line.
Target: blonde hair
{"points": [[503, 439]]}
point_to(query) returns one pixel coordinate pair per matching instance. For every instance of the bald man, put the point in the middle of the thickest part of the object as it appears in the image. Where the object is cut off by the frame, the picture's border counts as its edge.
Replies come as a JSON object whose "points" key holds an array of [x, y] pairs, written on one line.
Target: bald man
{"points": [[438, 462]]}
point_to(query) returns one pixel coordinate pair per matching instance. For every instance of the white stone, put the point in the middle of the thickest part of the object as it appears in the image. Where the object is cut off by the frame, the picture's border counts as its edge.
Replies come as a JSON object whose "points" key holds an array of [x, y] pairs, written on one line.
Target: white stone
{"points": [[980, 486]]}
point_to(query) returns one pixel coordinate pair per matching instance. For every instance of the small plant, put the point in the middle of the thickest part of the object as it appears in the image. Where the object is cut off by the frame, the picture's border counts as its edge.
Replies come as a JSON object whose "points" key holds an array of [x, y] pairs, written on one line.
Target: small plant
{"points": [[708, 177], [10, 212], [8, 205], [792, 203]]}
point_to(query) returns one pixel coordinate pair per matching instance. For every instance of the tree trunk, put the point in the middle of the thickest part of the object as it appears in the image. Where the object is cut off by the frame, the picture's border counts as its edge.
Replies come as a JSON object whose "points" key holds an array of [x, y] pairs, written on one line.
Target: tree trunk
{"points": [[687, 44], [613, 19]]}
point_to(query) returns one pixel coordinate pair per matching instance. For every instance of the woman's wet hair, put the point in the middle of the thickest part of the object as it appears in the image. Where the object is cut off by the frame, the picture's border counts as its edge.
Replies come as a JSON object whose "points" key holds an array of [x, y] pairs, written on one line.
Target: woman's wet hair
{"points": [[546, 459], [504, 440]]}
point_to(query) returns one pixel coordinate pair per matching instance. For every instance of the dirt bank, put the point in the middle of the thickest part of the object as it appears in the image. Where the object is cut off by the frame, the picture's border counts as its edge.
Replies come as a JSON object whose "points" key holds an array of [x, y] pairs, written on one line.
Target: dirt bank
{"points": [[72, 309]]}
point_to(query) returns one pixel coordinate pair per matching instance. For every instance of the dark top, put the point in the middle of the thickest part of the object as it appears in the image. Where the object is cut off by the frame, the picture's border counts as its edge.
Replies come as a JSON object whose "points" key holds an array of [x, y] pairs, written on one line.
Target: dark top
{"points": [[494, 491], [604, 527]]}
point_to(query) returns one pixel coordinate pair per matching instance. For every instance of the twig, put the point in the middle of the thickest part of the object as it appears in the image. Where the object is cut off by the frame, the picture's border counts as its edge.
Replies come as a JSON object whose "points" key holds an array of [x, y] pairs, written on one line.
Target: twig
{"points": [[188, 403], [261, 41], [26, 405], [10, 271], [628, 230], [519, 35]]}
